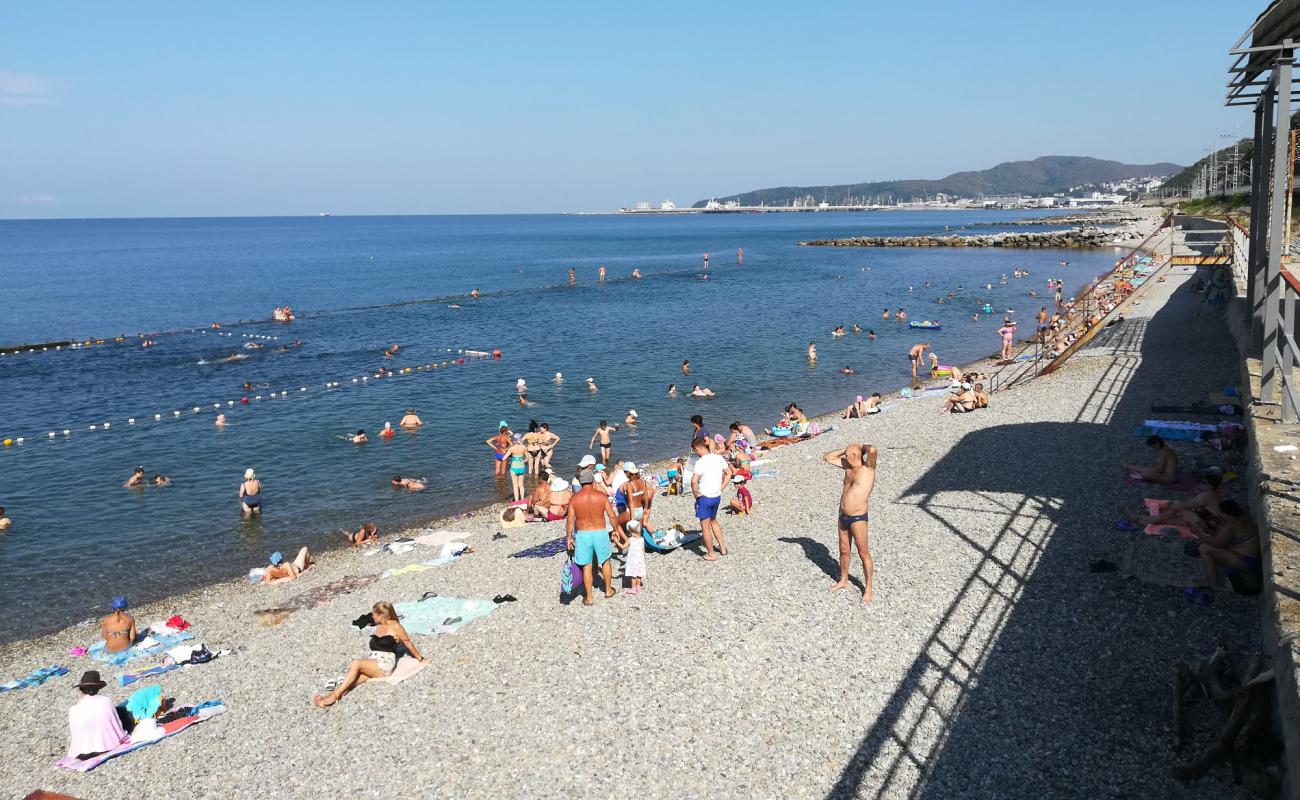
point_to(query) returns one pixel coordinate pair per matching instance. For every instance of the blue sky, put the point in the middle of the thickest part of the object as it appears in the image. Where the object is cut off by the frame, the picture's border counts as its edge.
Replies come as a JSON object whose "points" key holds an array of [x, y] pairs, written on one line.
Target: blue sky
{"points": [[188, 109]]}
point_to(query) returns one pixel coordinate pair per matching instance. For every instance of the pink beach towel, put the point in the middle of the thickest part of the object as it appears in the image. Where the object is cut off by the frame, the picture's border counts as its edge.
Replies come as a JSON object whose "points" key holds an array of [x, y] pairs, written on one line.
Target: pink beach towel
{"points": [[1154, 507], [170, 729]]}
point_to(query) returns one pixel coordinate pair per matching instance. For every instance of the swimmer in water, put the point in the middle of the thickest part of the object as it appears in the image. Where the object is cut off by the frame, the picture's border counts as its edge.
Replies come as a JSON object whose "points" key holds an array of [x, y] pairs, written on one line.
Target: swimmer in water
{"points": [[601, 273], [686, 367], [631, 418], [885, 315], [856, 328], [160, 480], [252, 346], [136, 480], [358, 438], [573, 276], [701, 391], [812, 351], [871, 334], [636, 273], [559, 377], [410, 484], [900, 315], [453, 305], [591, 386], [248, 386], [473, 293], [221, 421], [846, 370], [411, 420], [672, 390]]}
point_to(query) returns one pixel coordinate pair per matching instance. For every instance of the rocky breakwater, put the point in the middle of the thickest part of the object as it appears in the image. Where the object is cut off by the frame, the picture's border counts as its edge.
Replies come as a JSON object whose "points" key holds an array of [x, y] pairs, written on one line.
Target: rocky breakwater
{"points": [[1073, 238]]}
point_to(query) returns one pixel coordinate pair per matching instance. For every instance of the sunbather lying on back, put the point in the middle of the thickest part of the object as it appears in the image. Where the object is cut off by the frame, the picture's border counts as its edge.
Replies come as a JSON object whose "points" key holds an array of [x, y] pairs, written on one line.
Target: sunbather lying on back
{"points": [[1165, 470]]}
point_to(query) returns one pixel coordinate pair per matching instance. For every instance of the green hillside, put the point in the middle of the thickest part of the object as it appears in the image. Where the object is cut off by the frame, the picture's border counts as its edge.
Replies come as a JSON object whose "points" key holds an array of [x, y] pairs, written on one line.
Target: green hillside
{"points": [[1042, 176]]}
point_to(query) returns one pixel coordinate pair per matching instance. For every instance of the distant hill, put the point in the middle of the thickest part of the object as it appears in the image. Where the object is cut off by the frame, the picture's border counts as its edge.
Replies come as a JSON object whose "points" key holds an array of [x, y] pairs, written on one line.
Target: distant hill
{"points": [[1042, 176]]}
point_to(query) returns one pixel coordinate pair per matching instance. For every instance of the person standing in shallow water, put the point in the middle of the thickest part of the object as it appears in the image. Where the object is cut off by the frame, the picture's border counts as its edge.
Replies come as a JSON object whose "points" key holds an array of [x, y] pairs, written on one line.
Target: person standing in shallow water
{"points": [[859, 464], [573, 276]]}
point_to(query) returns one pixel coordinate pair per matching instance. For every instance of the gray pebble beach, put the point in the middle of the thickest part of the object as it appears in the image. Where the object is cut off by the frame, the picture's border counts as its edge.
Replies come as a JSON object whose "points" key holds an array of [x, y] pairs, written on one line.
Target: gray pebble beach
{"points": [[992, 663]]}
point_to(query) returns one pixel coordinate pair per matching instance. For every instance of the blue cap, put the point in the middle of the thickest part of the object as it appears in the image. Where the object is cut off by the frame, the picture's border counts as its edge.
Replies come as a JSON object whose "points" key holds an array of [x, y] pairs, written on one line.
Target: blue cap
{"points": [[276, 558], [502, 424], [119, 602]]}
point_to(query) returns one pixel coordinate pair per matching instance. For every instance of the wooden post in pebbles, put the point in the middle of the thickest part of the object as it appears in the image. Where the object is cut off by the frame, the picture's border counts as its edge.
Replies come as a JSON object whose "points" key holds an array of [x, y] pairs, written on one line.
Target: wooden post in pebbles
{"points": [[1242, 688]]}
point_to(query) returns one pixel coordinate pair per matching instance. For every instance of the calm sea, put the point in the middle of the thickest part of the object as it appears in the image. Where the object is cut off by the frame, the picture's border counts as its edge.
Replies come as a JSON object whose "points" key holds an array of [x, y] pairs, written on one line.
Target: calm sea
{"points": [[360, 284]]}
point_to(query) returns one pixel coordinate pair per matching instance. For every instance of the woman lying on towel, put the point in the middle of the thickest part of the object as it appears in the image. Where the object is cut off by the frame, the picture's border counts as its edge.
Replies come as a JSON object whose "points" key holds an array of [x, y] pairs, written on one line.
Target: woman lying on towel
{"points": [[388, 637]]}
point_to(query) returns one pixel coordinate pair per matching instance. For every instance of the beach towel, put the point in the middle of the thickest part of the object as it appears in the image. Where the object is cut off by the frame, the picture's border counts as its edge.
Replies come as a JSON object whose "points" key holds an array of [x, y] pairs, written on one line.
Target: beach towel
{"points": [[1161, 560], [169, 729], [128, 678], [312, 598], [1169, 435], [427, 616], [406, 667], [543, 550], [37, 678], [440, 537], [406, 570], [1154, 507], [146, 647], [1179, 425]]}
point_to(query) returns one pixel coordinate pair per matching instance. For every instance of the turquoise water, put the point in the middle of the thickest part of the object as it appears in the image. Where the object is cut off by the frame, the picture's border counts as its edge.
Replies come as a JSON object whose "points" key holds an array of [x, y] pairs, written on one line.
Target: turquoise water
{"points": [[360, 284]]}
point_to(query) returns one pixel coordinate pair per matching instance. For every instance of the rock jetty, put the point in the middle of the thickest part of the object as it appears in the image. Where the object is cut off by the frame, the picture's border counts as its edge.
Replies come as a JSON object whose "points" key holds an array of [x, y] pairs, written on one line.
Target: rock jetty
{"points": [[1073, 238]]}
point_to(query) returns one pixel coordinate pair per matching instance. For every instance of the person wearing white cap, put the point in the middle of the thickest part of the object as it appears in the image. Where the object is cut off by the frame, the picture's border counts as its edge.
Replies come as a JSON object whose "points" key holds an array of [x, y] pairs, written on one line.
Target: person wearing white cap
{"points": [[250, 493], [558, 504], [586, 464], [559, 377], [636, 519], [591, 386], [631, 418], [961, 400]]}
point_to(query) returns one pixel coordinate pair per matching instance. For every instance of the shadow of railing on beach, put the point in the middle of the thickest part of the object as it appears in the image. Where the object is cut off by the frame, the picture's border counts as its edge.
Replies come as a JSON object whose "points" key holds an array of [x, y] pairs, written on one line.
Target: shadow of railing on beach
{"points": [[983, 702], [820, 554]]}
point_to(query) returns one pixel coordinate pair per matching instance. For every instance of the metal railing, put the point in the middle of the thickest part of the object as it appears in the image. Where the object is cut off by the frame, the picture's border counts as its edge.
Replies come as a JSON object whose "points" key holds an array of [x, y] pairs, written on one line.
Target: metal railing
{"points": [[1280, 356], [1089, 304]]}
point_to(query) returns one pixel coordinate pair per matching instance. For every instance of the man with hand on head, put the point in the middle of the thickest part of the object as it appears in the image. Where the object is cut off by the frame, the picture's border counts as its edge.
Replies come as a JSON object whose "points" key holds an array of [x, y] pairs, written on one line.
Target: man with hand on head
{"points": [[859, 464]]}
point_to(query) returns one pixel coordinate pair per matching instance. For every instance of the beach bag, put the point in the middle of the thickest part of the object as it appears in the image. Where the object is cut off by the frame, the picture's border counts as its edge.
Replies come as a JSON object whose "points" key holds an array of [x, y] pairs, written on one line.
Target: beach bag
{"points": [[814, 429], [570, 576]]}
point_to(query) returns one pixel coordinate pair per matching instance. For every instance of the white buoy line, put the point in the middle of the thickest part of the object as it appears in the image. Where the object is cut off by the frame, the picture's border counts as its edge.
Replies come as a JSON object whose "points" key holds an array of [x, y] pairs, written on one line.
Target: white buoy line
{"points": [[458, 357]]}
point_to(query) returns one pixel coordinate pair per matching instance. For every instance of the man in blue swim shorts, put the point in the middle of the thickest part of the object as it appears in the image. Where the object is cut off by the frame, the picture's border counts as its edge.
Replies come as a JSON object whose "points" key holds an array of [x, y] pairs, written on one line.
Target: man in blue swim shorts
{"points": [[712, 472], [587, 529]]}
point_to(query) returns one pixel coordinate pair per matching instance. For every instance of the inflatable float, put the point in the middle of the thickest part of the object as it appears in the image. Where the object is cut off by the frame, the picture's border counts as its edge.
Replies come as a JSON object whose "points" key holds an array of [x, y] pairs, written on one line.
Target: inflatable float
{"points": [[925, 326]]}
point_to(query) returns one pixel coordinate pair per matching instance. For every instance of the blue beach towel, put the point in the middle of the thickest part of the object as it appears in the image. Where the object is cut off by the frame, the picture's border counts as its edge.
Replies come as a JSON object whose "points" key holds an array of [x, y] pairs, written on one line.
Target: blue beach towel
{"points": [[543, 550], [165, 640], [128, 678], [1168, 434], [427, 616], [37, 678]]}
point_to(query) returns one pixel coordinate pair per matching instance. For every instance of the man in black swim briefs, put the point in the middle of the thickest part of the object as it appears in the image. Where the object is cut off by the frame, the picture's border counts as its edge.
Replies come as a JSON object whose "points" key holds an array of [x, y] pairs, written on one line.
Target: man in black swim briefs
{"points": [[859, 464]]}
